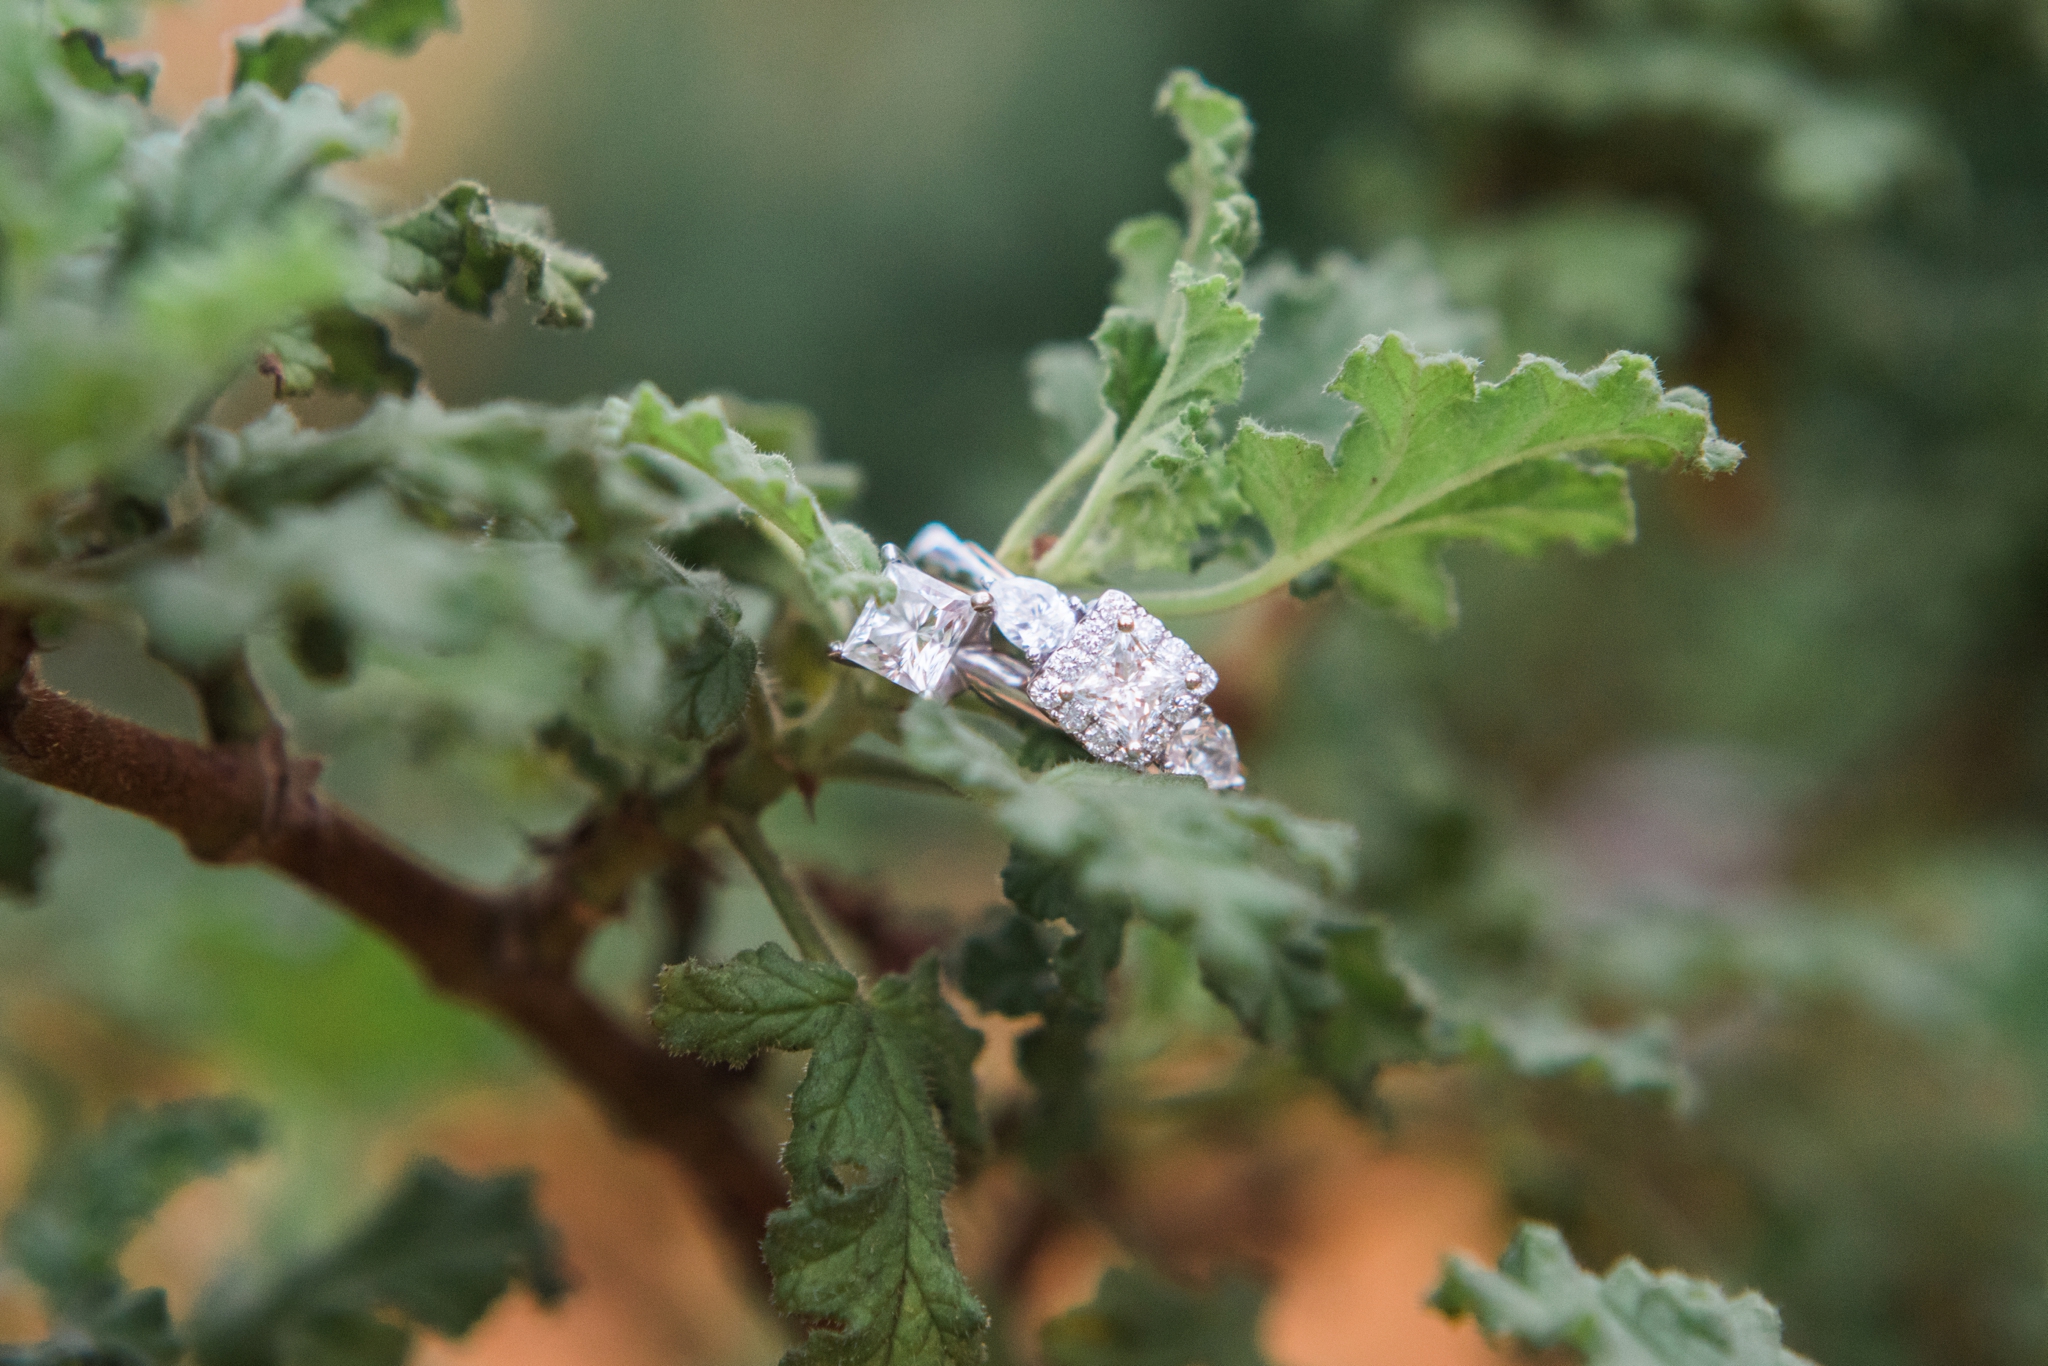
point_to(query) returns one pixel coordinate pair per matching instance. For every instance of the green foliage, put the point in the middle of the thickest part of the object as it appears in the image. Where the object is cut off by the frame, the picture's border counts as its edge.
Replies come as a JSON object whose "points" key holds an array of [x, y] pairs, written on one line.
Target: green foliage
{"points": [[439, 1251], [1433, 455], [559, 590], [86, 62], [1437, 455], [863, 1245], [1138, 1318], [465, 247], [1827, 151], [89, 1198], [839, 559], [291, 45], [1629, 1317]]}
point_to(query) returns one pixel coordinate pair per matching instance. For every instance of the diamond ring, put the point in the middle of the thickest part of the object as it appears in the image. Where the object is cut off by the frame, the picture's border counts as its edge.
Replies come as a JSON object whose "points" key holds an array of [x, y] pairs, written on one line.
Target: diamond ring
{"points": [[1107, 673]]}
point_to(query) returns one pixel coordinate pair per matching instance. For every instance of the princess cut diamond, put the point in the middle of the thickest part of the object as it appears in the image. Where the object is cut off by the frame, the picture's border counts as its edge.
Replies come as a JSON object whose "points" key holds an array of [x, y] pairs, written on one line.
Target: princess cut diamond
{"points": [[911, 641]]}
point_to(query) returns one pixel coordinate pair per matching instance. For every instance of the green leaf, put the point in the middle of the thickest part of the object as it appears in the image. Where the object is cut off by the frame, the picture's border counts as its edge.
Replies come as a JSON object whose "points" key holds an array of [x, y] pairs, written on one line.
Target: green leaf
{"points": [[1544, 1043], [441, 1249], [86, 59], [863, 1245], [1542, 1299], [1247, 885], [88, 1199], [24, 843], [467, 247], [1172, 348], [710, 663], [1066, 390], [1310, 322], [1139, 1318], [698, 433], [281, 55], [350, 352], [1222, 220], [838, 560], [1435, 456], [1052, 959], [251, 159]]}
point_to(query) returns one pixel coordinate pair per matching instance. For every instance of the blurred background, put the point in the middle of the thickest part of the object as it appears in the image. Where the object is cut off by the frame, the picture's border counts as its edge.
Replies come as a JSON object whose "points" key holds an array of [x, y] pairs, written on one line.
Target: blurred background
{"points": [[1774, 774]]}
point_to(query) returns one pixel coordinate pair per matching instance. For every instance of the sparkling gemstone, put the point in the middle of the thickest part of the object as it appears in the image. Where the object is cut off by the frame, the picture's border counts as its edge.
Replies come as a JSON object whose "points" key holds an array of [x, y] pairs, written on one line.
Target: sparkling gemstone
{"points": [[1033, 615], [1122, 683], [911, 641], [1204, 747]]}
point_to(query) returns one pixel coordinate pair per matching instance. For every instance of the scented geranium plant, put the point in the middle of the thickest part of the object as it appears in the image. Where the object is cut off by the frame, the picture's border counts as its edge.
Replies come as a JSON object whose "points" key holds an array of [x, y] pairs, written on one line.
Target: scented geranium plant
{"points": [[564, 584]]}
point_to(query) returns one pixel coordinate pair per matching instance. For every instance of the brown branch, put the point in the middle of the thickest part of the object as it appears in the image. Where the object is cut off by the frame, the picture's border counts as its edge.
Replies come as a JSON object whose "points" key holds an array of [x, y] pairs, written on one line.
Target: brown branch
{"points": [[248, 802]]}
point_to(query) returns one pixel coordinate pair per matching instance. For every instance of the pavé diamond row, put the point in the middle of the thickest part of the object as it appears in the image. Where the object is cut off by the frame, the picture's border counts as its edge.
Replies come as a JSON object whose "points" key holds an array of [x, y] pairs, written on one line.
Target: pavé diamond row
{"points": [[1108, 673]]}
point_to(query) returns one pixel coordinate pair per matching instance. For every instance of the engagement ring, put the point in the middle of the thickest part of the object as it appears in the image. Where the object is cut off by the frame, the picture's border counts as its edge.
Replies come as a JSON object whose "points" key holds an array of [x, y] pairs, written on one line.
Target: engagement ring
{"points": [[1108, 673]]}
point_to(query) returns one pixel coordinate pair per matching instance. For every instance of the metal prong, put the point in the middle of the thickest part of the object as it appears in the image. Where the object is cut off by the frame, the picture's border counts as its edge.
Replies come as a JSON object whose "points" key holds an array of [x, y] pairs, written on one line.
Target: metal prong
{"points": [[1126, 623], [890, 554], [1193, 679], [983, 601]]}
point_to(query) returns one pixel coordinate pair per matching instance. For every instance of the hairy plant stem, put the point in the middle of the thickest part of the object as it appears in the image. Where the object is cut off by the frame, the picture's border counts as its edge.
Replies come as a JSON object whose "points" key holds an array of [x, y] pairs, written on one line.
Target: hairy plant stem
{"points": [[1014, 549], [745, 833], [1129, 448]]}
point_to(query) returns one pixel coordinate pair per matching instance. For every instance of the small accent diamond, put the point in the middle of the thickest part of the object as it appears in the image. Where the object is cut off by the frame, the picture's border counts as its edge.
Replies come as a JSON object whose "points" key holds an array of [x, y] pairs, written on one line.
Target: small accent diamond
{"points": [[911, 641], [1205, 748], [1033, 615]]}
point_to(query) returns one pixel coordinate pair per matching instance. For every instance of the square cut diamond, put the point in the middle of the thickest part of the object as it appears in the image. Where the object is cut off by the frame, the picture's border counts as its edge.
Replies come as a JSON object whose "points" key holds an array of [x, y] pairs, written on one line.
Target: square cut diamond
{"points": [[911, 641]]}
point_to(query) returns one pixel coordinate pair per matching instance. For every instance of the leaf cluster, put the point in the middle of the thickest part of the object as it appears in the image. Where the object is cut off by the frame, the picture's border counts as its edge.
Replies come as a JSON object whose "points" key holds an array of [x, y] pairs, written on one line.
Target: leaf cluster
{"points": [[437, 1253], [565, 584], [1357, 453]]}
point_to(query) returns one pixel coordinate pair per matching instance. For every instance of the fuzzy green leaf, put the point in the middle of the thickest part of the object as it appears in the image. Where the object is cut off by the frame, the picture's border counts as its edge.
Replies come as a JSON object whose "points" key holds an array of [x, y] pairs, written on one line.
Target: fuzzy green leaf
{"points": [[284, 51], [1222, 220], [1435, 455], [439, 1251], [352, 353], [1543, 1043], [1311, 321], [1171, 349], [863, 1246], [87, 62], [1066, 390], [1052, 959], [838, 560], [1827, 150], [1139, 1318], [1246, 884], [90, 1197], [467, 247], [1629, 1317], [698, 432]]}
